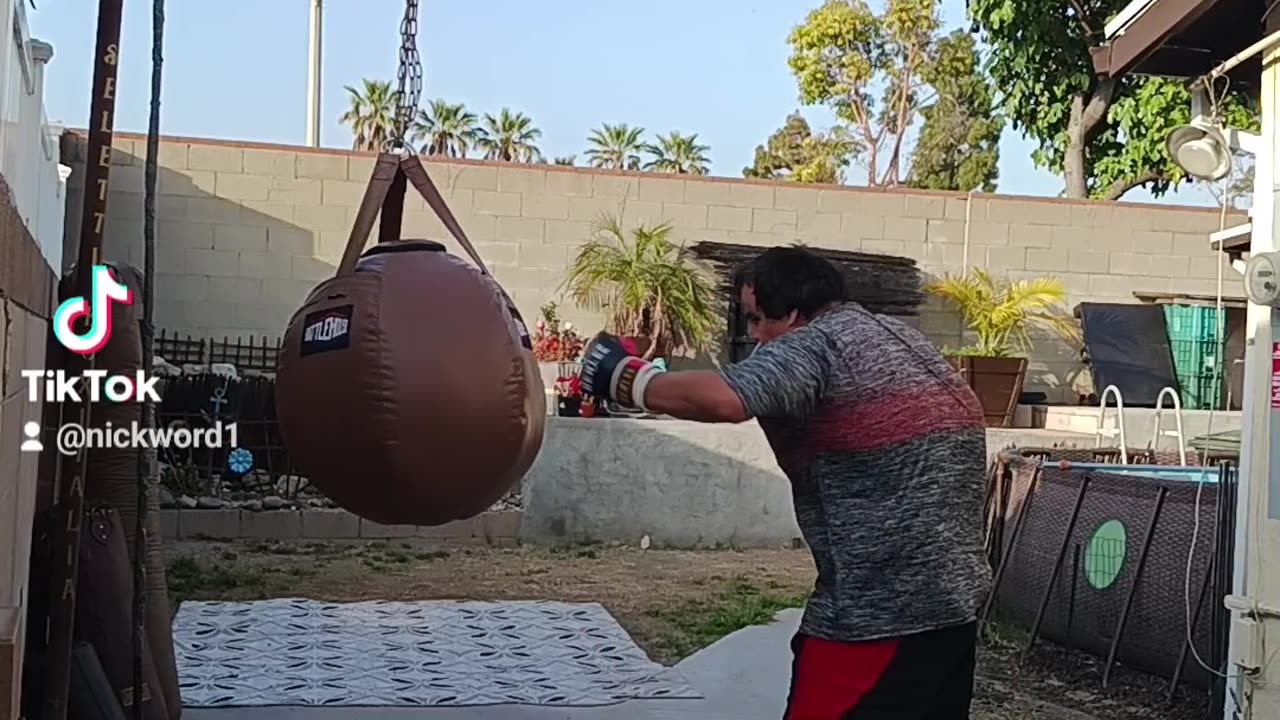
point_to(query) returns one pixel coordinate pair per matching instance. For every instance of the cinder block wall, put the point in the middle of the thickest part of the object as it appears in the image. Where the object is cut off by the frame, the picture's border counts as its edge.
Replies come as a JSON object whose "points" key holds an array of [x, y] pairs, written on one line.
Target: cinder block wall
{"points": [[246, 230]]}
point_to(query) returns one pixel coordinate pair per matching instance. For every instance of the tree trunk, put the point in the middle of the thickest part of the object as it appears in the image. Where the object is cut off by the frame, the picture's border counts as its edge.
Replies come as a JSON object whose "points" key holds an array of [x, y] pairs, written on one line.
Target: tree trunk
{"points": [[1087, 113]]}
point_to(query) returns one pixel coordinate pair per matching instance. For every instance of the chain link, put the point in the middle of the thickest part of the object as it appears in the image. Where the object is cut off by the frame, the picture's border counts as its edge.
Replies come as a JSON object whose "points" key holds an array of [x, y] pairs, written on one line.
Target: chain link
{"points": [[409, 77]]}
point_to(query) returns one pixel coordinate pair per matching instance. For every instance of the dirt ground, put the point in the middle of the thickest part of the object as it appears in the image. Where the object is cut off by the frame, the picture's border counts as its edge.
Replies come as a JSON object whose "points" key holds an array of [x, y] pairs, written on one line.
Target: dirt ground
{"points": [[671, 602]]}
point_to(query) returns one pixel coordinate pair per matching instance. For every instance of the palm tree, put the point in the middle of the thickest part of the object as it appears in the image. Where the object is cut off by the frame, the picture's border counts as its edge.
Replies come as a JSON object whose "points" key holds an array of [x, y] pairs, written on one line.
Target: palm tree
{"points": [[509, 137], [676, 153], [444, 129], [617, 147], [372, 115], [569, 160], [652, 287], [1000, 314]]}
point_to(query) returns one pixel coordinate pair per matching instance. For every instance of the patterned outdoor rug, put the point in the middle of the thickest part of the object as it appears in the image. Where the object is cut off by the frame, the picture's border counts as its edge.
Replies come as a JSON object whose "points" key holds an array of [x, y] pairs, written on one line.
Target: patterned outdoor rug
{"points": [[305, 652]]}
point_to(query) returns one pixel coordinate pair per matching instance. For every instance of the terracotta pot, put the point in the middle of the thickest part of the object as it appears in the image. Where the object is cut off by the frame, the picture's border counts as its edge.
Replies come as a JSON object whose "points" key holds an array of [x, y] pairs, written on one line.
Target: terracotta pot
{"points": [[997, 381]]}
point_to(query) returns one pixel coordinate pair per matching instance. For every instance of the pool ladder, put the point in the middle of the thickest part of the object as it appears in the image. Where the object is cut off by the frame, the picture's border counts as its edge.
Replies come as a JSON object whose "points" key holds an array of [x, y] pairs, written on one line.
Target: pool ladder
{"points": [[1157, 430]]}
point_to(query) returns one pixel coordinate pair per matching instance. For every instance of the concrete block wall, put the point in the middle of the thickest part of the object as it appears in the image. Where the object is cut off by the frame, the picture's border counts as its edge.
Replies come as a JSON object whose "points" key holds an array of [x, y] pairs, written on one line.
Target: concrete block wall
{"points": [[246, 230]]}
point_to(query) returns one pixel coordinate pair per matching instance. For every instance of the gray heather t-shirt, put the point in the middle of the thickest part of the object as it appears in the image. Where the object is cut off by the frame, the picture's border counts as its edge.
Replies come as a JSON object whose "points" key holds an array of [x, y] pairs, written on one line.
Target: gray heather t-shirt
{"points": [[885, 447]]}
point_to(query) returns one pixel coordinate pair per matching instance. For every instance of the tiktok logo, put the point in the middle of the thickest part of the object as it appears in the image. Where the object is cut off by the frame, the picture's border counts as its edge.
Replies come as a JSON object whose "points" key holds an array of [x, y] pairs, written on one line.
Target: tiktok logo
{"points": [[98, 308]]}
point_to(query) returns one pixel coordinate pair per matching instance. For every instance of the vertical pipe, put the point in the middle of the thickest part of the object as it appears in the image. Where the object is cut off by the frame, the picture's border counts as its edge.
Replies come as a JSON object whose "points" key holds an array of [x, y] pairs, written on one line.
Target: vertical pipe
{"points": [[1253, 550], [1071, 597], [93, 220], [1133, 586], [145, 456], [313, 74]]}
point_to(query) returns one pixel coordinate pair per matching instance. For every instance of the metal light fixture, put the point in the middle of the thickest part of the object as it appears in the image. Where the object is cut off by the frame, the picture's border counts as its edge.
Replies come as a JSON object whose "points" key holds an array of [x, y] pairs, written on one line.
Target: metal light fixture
{"points": [[1201, 149]]}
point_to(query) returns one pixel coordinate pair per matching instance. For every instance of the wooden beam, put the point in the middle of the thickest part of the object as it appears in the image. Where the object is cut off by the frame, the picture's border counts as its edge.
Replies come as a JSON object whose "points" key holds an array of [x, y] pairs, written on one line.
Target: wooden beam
{"points": [[1161, 21]]}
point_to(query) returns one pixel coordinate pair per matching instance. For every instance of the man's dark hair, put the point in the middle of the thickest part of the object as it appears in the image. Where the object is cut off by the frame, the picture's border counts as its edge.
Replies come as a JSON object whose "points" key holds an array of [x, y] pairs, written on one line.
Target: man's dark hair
{"points": [[791, 278]]}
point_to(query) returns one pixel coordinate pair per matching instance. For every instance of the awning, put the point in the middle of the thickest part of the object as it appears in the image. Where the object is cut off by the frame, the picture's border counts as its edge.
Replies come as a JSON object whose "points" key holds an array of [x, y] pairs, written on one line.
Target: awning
{"points": [[1181, 38]]}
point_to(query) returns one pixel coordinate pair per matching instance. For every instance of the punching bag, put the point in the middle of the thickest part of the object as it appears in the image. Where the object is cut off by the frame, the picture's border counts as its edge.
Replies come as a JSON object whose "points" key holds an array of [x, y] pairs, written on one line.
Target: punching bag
{"points": [[112, 480], [406, 387]]}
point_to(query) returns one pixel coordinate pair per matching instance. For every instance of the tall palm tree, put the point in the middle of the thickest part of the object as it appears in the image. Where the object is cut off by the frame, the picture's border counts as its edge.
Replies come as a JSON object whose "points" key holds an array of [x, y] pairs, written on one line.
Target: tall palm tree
{"points": [[617, 147], [509, 137], [445, 129], [676, 153], [372, 115]]}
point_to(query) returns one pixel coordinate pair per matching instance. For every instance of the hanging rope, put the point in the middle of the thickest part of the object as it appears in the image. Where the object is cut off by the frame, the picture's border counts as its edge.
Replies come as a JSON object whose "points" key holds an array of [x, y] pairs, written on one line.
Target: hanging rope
{"points": [[146, 466], [409, 79]]}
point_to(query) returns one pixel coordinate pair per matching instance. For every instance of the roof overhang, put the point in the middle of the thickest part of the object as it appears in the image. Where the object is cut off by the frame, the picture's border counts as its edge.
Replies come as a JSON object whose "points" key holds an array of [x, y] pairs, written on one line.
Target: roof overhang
{"points": [[1180, 38]]}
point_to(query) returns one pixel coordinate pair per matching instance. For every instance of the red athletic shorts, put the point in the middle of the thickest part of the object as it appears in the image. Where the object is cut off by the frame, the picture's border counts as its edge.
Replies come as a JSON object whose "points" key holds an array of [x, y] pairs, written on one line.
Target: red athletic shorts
{"points": [[928, 676]]}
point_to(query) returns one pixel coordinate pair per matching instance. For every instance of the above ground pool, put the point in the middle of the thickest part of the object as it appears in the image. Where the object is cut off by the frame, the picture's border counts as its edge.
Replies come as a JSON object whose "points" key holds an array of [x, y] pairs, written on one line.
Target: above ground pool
{"points": [[1189, 473]]}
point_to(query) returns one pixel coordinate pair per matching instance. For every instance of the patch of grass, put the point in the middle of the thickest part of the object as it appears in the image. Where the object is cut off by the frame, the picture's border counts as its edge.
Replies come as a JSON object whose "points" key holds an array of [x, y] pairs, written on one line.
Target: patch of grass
{"points": [[191, 579], [740, 604]]}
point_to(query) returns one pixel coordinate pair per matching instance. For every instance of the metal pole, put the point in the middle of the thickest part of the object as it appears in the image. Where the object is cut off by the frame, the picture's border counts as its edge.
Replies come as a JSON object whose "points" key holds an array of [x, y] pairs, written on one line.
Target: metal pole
{"points": [[1013, 541], [93, 219], [313, 74], [1057, 566], [1259, 490], [1133, 586], [146, 456]]}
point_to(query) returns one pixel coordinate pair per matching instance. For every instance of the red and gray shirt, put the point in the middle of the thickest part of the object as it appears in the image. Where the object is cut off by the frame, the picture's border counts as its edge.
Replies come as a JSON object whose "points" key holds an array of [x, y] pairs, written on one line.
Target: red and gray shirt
{"points": [[885, 448]]}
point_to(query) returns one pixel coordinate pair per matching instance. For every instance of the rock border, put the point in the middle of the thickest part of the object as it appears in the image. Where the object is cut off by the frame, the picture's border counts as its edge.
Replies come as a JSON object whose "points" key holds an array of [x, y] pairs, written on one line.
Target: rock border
{"points": [[500, 528]]}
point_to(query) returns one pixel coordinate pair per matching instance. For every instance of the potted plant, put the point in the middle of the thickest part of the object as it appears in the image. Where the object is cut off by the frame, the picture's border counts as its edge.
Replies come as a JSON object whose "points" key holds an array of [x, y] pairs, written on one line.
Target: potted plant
{"points": [[555, 345], [999, 315], [654, 291], [569, 396]]}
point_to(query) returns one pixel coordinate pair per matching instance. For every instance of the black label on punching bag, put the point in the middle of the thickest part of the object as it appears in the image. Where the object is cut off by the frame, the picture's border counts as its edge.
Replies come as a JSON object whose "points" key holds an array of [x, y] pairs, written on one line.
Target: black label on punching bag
{"points": [[326, 330]]}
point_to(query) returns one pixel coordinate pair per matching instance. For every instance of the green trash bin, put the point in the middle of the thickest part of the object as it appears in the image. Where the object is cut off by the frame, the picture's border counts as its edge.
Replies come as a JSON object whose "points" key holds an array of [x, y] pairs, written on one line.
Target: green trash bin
{"points": [[1197, 354]]}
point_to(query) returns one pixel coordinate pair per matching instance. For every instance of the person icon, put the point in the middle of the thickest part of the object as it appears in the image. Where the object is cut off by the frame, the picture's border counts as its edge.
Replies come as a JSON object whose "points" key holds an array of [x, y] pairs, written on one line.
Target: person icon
{"points": [[32, 443]]}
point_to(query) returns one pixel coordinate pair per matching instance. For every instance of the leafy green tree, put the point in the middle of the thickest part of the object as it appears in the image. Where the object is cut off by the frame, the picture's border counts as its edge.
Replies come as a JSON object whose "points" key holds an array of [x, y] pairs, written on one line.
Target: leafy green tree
{"points": [[445, 129], [676, 153], [870, 70], [1104, 136], [509, 137], [616, 147], [371, 114], [793, 152], [959, 143]]}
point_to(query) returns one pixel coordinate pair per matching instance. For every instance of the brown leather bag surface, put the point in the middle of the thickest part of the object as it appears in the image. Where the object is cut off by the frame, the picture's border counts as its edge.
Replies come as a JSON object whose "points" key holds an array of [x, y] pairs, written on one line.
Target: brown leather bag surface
{"points": [[406, 387]]}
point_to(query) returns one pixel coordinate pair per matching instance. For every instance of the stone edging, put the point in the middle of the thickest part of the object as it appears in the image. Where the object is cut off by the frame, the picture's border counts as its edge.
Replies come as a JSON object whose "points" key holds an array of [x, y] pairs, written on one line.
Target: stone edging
{"points": [[492, 528]]}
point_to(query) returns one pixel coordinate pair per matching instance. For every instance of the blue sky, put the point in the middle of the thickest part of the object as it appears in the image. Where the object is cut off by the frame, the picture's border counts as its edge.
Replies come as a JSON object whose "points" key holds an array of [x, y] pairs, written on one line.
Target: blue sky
{"points": [[237, 69]]}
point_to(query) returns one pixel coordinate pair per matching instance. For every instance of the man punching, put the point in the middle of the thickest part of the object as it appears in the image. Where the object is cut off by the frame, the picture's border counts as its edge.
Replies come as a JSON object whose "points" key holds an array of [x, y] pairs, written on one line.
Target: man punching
{"points": [[885, 449]]}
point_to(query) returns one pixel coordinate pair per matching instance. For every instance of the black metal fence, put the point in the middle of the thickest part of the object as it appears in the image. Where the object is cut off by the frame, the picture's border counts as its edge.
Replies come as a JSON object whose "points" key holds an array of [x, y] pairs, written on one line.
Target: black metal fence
{"points": [[254, 354], [252, 454]]}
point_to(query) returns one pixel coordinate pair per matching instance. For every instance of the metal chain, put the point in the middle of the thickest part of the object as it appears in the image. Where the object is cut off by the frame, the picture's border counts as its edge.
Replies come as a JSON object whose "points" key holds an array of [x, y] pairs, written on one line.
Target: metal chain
{"points": [[409, 77]]}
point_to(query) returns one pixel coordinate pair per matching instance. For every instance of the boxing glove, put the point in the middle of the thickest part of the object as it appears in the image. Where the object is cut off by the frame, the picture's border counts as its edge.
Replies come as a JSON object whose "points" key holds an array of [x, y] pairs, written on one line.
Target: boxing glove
{"points": [[610, 372]]}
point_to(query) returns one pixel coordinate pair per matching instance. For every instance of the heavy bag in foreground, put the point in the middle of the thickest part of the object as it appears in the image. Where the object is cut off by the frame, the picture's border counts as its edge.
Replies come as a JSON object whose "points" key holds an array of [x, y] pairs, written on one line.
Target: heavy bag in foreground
{"points": [[406, 390]]}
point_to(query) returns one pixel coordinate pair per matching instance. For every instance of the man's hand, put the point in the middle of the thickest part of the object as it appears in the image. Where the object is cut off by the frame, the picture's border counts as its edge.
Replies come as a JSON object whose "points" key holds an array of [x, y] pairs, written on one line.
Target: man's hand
{"points": [[610, 372]]}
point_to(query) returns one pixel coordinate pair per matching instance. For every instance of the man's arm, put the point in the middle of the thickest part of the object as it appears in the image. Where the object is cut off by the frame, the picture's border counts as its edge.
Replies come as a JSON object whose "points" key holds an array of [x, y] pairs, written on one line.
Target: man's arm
{"points": [[784, 378], [701, 395]]}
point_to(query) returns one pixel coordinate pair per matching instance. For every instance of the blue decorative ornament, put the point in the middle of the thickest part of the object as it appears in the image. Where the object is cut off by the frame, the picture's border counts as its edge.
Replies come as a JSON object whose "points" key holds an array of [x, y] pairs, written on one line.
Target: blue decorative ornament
{"points": [[240, 461]]}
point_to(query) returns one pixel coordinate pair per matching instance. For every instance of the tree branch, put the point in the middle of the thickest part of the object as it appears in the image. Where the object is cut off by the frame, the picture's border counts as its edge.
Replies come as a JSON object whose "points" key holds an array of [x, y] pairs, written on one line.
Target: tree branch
{"points": [[1120, 187], [1099, 102]]}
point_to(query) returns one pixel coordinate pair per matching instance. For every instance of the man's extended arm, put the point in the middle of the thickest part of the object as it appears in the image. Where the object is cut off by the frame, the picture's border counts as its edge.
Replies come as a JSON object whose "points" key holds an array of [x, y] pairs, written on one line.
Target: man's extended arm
{"points": [[701, 395], [783, 378]]}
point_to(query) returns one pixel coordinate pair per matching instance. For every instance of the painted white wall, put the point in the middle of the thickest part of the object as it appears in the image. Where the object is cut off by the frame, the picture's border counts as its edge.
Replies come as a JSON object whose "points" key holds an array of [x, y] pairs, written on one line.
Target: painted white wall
{"points": [[29, 145]]}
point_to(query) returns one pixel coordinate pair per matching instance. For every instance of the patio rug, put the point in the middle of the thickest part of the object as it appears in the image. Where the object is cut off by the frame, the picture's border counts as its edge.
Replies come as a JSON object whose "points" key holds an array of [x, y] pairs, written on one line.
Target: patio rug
{"points": [[306, 652]]}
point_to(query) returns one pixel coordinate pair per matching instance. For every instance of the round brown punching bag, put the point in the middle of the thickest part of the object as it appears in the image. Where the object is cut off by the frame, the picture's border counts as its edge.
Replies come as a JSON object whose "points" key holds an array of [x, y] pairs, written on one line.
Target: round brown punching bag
{"points": [[407, 391]]}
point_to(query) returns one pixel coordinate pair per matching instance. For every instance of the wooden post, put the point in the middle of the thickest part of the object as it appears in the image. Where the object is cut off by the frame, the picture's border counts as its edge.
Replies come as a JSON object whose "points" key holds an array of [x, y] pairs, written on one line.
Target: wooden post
{"points": [[65, 558]]}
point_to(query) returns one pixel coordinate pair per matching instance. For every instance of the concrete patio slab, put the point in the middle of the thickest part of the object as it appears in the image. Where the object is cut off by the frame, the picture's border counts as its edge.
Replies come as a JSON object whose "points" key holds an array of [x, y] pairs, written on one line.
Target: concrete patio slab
{"points": [[744, 676]]}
